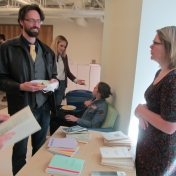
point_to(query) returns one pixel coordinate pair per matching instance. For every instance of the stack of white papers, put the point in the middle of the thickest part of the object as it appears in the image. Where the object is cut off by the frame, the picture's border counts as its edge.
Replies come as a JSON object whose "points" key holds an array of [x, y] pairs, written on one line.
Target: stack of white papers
{"points": [[107, 173], [116, 138], [118, 157]]}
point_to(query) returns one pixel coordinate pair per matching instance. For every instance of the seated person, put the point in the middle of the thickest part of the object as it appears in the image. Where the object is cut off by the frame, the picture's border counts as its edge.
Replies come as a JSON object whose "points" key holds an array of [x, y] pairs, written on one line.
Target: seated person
{"points": [[93, 115]]}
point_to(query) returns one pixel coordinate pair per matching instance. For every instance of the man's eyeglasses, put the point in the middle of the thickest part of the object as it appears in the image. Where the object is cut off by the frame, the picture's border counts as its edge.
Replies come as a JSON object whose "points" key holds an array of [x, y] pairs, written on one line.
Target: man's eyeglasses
{"points": [[33, 21], [157, 43]]}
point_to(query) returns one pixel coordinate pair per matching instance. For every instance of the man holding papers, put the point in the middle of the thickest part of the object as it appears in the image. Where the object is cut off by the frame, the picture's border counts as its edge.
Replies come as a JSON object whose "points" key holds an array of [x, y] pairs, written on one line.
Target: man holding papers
{"points": [[23, 59]]}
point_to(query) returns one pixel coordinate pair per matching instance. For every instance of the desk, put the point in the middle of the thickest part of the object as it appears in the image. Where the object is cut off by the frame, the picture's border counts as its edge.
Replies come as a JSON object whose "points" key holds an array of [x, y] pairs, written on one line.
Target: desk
{"points": [[89, 152]]}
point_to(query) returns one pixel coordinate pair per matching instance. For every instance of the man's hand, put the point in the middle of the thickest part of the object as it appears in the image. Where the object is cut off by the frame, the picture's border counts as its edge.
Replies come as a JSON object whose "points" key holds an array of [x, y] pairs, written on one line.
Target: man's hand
{"points": [[31, 86], [55, 80], [71, 118]]}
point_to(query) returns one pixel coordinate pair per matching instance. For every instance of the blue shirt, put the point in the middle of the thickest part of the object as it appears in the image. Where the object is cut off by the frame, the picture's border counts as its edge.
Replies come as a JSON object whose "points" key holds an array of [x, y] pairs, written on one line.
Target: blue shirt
{"points": [[94, 115]]}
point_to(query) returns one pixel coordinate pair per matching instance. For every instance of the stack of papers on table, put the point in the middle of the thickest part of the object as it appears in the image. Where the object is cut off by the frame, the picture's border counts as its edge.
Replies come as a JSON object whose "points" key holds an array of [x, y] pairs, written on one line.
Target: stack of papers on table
{"points": [[84, 137], [75, 129], [63, 146], [118, 157], [81, 134], [107, 173], [116, 138], [65, 166]]}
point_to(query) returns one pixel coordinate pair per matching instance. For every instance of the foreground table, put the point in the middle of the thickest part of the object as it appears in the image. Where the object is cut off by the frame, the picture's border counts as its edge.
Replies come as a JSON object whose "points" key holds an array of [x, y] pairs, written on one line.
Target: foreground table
{"points": [[89, 152]]}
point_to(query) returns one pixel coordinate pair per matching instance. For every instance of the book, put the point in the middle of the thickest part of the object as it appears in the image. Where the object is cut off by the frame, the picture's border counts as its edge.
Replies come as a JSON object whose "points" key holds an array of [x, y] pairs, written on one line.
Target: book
{"points": [[80, 137], [62, 143], [118, 157], [117, 135], [64, 152], [65, 165], [115, 152], [23, 123], [124, 142], [120, 162], [122, 168], [75, 129], [107, 173]]}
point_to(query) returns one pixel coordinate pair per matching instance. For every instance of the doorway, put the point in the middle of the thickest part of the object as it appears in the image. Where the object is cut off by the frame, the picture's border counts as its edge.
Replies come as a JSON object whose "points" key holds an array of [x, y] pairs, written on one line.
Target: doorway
{"points": [[11, 31]]}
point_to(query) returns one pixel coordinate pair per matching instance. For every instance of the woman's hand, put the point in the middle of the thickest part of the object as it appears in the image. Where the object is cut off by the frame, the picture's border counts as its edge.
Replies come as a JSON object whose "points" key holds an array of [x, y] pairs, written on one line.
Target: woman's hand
{"points": [[81, 82], [4, 117], [143, 123], [71, 118], [5, 137], [87, 103], [138, 113]]}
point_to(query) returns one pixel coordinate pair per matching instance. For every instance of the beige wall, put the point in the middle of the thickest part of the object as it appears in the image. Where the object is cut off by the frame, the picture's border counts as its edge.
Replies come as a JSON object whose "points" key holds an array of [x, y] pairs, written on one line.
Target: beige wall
{"points": [[119, 53], [85, 43]]}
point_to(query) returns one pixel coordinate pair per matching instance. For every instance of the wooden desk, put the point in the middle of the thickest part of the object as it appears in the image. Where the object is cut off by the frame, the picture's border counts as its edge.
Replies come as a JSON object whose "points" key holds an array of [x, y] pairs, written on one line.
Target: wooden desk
{"points": [[89, 152]]}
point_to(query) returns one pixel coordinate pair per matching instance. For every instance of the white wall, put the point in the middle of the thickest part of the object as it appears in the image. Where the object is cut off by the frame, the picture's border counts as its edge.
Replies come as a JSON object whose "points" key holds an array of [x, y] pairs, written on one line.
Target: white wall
{"points": [[85, 43], [119, 52]]}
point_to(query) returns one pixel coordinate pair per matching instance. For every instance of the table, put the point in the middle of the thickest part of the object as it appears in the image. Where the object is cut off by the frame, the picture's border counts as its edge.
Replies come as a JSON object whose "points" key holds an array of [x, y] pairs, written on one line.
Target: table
{"points": [[89, 152]]}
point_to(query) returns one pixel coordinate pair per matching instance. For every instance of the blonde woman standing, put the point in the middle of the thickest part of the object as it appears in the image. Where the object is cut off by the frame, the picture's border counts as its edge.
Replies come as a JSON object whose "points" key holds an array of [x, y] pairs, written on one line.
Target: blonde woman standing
{"points": [[59, 46]]}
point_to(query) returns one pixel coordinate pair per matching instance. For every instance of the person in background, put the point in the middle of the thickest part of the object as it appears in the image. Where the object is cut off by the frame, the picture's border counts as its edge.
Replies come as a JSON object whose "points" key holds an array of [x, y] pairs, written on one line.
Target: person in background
{"points": [[5, 137], [2, 39], [156, 146], [59, 46], [92, 117], [17, 68]]}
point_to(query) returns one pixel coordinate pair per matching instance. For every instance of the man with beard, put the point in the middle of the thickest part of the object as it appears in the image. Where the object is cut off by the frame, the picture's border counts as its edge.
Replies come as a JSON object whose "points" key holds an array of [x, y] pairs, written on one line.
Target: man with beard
{"points": [[17, 69]]}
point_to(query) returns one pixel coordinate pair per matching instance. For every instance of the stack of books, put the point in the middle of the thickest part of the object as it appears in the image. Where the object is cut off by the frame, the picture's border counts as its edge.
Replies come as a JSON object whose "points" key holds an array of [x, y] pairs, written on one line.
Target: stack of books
{"points": [[75, 129], [65, 166], [63, 146], [108, 173], [80, 134], [116, 138], [118, 157]]}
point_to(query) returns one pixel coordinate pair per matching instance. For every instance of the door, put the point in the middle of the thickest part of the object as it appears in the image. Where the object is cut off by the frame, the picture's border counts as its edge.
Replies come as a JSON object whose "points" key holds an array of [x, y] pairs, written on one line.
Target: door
{"points": [[11, 31]]}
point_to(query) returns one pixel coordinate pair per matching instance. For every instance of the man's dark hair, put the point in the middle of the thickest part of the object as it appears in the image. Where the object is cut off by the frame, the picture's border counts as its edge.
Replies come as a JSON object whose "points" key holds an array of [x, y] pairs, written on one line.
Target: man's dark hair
{"points": [[26, 8], [2, 36], [104, 89]]}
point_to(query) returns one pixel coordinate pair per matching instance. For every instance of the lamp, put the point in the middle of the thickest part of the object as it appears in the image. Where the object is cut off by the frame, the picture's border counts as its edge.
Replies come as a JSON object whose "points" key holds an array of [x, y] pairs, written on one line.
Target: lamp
{"points": [[81, 21]]}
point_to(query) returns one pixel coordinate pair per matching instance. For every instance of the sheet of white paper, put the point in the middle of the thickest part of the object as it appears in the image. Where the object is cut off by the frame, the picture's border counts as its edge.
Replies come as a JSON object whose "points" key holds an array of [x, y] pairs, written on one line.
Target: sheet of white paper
{"points": [[23, 123]]}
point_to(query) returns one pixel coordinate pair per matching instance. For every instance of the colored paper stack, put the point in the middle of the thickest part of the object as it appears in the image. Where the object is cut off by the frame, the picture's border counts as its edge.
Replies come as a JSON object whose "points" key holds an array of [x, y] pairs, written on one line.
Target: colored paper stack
{"points": [[84, 138], [63, 146], [80, 134], [65, 166]]}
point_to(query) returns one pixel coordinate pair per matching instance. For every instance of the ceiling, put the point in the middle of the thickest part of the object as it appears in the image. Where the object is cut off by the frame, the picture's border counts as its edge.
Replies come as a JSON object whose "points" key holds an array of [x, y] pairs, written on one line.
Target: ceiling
{"points": [[68, 9]]}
